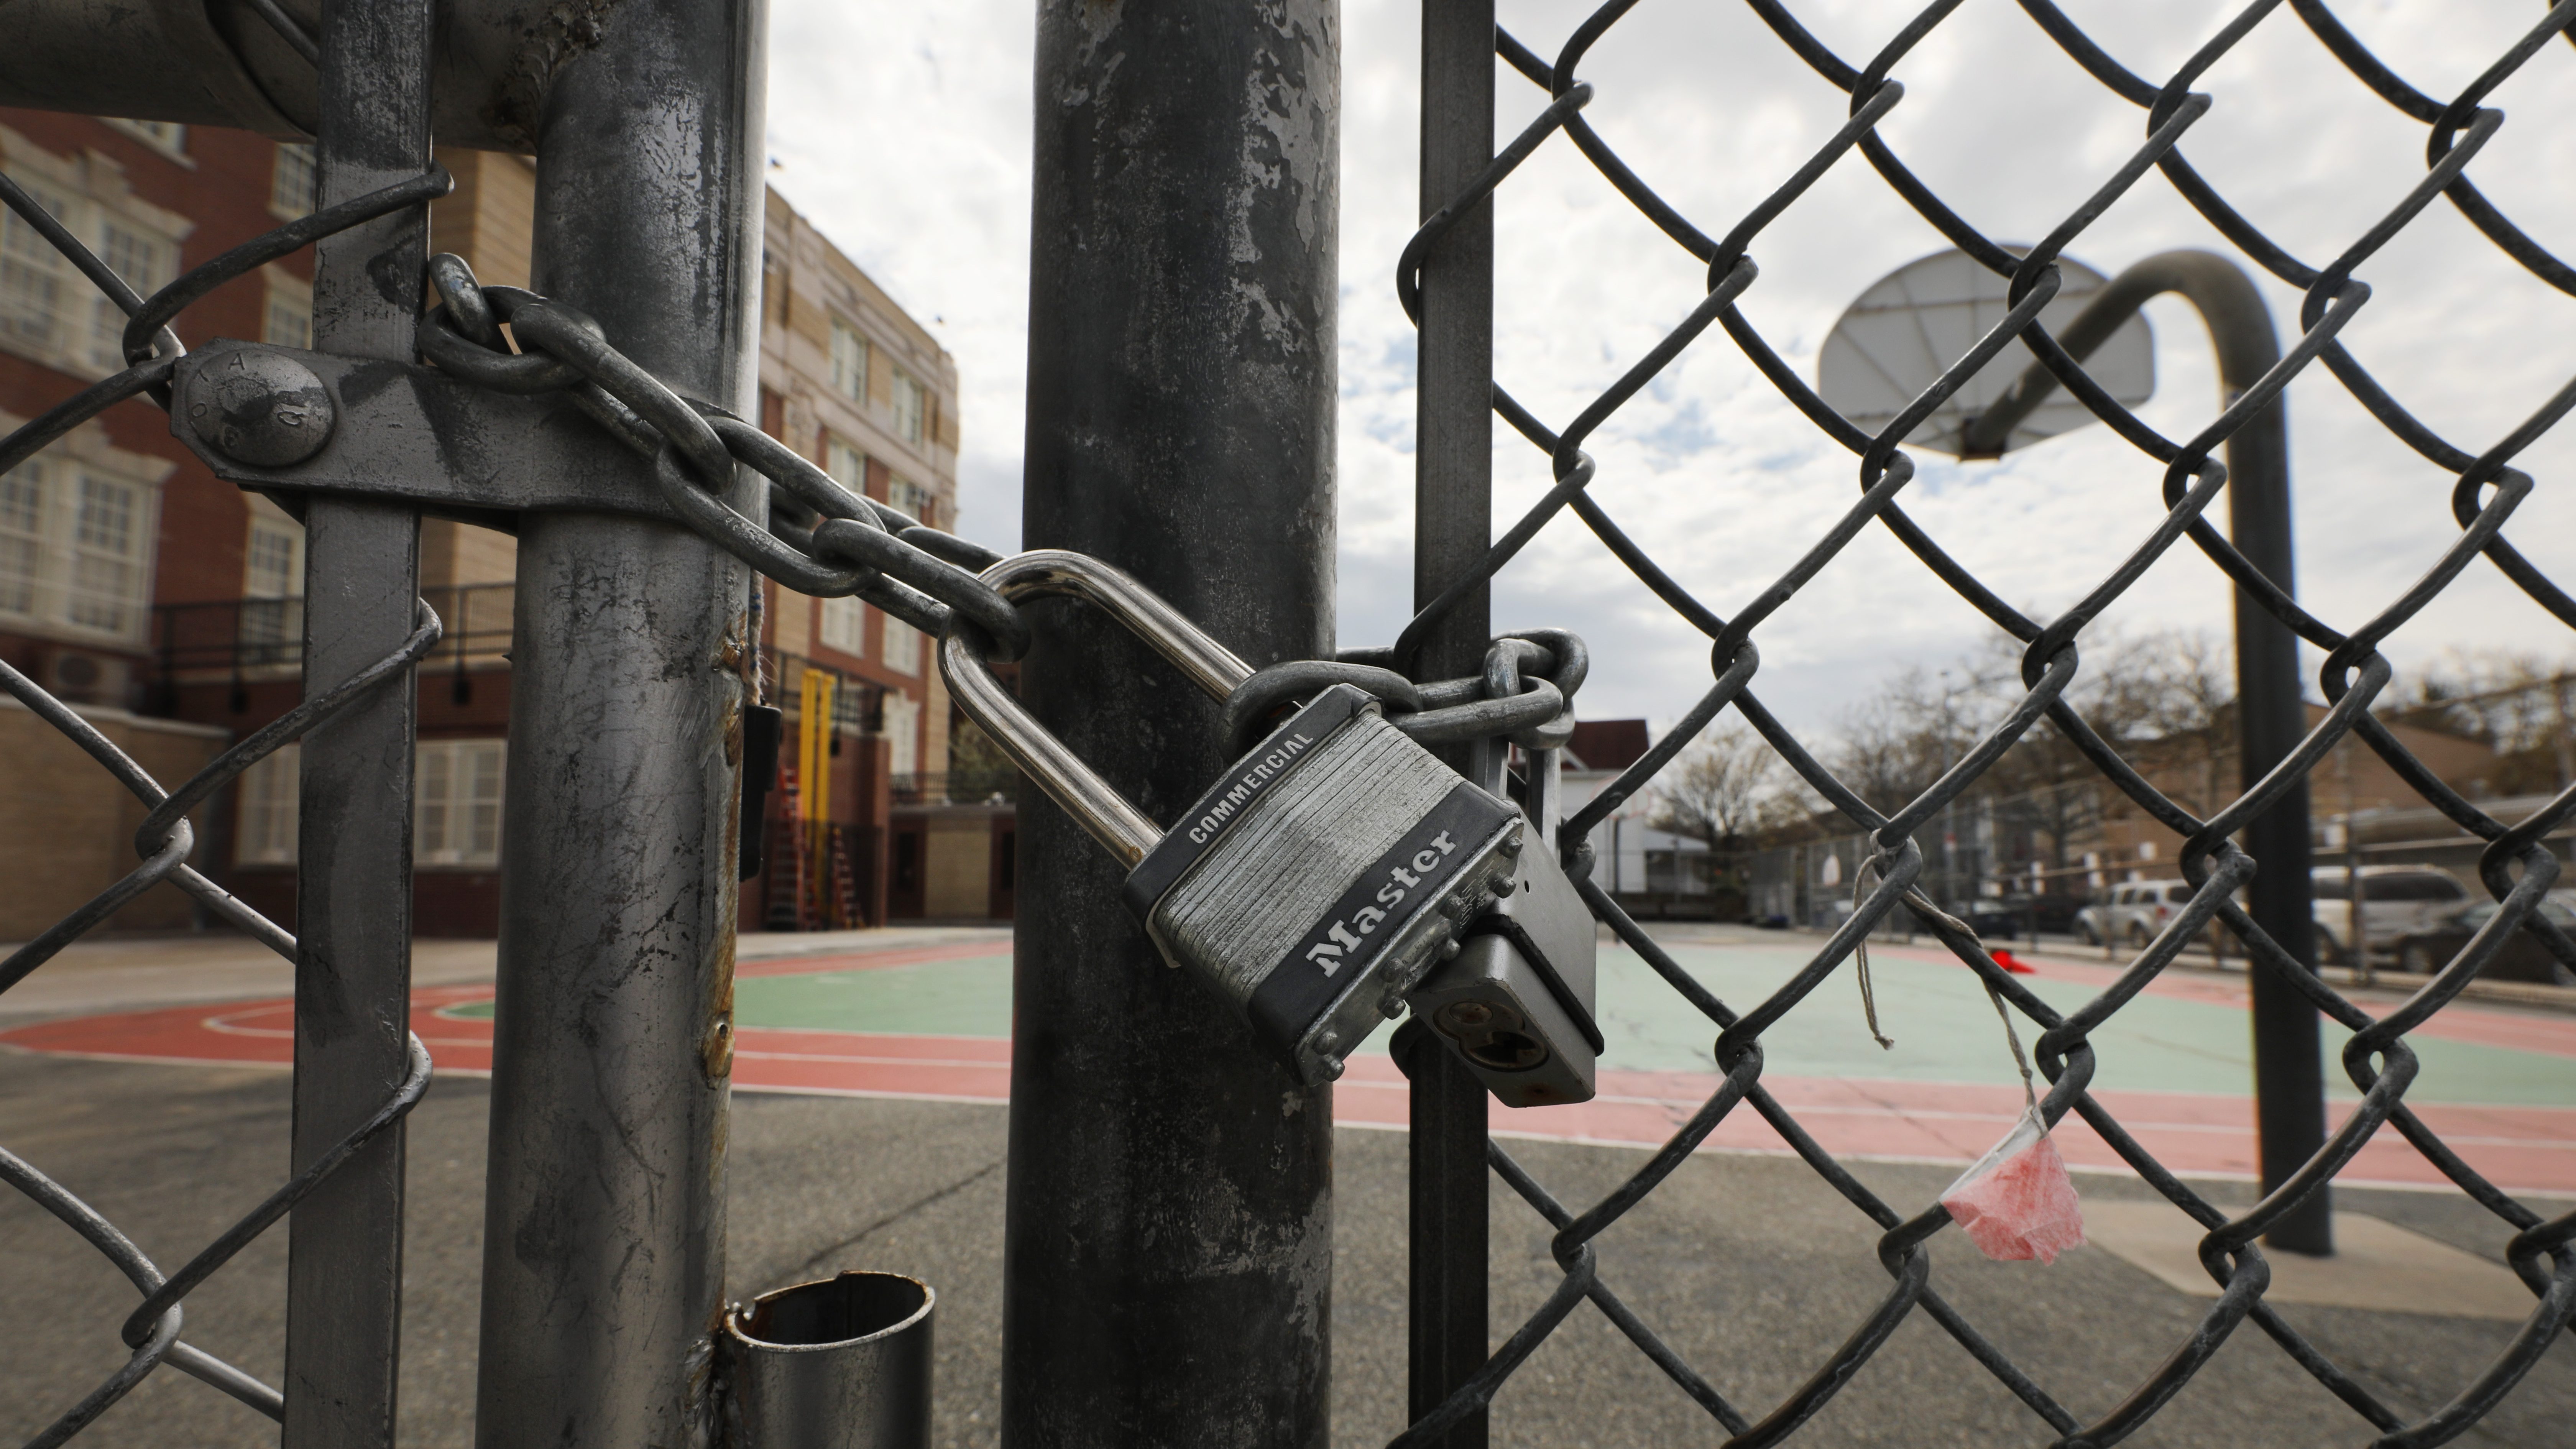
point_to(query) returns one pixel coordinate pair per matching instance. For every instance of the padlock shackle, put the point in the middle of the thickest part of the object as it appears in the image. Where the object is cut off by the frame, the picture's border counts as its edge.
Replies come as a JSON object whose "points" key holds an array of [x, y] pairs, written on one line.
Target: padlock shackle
{"points": [[1120, 827], [1061, 573]]}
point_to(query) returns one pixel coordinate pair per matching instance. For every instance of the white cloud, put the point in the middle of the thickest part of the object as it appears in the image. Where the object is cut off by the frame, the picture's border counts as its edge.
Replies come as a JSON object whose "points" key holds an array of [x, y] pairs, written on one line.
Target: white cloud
{"points": [[905, 132]]}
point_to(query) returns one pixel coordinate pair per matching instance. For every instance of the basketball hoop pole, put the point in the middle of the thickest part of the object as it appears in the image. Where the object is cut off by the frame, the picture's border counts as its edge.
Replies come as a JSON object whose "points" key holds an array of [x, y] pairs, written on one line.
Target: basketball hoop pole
{"points": [[2289, 1062]]}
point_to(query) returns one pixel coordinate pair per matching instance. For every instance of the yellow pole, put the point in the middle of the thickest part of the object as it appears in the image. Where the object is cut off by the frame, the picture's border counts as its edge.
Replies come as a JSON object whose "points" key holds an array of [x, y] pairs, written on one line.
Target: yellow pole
{"points": [[818, 815]]}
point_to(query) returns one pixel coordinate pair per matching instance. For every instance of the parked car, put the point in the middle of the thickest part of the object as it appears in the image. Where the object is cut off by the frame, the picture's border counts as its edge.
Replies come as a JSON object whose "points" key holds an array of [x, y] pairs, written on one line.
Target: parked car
{"points": [[1830, 914], [2522, 958], [2398, 901], [2011, 917], [2133, 912]]}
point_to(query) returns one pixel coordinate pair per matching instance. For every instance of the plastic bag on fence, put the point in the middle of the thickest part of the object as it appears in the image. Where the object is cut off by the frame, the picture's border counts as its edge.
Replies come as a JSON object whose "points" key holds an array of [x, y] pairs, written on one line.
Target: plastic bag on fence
{"points": [[2016, 1202]]}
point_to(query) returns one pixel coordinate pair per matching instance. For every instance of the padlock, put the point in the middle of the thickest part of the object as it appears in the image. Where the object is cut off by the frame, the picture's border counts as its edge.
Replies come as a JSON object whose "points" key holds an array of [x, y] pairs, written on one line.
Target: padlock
{"points": [[1321, 875], [1516, 1001]]}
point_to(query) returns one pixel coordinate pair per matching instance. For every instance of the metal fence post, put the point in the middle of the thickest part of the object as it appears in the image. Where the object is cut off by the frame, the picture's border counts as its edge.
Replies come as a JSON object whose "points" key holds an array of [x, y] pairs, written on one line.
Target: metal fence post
{"points": [[1168, 1248], [1453, 520], [353, 902], [2289, 1058], [604, 1228]]}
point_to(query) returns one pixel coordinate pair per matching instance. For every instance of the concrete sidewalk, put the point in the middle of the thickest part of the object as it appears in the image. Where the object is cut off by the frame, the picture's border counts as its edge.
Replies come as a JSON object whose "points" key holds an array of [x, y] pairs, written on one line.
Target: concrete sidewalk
{"points": [[1750, 1266]]}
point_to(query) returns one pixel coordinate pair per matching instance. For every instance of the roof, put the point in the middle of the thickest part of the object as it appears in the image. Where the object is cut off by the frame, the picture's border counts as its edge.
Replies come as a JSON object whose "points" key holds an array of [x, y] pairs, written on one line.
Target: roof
{"points": [[1607, 744]]}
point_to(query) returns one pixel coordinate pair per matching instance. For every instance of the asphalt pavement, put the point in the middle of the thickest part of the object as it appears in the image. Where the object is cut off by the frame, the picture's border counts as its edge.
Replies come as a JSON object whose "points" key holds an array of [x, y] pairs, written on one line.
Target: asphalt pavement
{"points": [[1749, 1265]]}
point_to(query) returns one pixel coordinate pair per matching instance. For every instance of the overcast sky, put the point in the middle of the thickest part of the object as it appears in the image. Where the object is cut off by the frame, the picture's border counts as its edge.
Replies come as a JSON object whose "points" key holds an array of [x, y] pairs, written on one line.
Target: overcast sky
{"points": [[904, 131]]}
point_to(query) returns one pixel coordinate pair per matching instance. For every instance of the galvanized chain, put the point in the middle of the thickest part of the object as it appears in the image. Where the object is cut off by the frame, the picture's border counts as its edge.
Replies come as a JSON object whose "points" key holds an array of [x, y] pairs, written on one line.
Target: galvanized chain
{"points": [[823, 540], [2516, 867], [818, 537], [166, 839], [1525, 694]]}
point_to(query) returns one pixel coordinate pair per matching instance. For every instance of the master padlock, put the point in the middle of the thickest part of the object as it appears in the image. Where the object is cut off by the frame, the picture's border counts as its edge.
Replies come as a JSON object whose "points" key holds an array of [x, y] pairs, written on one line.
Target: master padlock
{"points": [[1321, 875], [1516, 1001]]}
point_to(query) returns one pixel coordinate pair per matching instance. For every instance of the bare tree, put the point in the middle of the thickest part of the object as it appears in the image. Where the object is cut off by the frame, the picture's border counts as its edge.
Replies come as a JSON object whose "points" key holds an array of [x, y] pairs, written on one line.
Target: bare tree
{"points": [[2165, 702], [1895, 745], [1722, 791]]}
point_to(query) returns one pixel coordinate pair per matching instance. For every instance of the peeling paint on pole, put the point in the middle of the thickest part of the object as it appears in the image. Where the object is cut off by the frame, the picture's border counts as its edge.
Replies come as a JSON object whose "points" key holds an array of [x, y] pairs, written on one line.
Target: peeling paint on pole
{"points": [[1169, 1251]]}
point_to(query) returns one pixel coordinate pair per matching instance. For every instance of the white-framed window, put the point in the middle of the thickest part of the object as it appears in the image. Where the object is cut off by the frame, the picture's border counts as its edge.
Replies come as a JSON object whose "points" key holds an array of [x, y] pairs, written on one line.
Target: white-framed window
{"points": [[295, 186], [847, 465], [910, 497], [456, 816], [36, 281], [849, 362], [908, 409], [289, 319], [147, 261], [902, 732], [76, 546], [23, 543], [902, 646], [167, 137], [272, 614], [108, 590], [273, 564], [51, 312], [845, 622], [266, 805]]}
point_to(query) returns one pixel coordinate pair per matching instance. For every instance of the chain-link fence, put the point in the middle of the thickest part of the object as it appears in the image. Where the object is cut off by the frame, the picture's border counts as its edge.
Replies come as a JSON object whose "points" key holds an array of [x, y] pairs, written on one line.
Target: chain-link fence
{"points": [[793, 523], [2516, 865]]}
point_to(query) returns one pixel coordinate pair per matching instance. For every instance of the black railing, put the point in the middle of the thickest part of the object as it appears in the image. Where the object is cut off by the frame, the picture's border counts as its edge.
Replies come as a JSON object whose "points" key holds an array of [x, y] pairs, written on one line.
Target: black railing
{"points": [[237, 637], [959, 787]]}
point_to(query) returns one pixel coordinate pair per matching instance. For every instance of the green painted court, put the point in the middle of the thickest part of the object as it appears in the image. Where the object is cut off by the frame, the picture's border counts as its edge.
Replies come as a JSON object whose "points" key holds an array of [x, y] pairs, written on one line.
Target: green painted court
{"points": [[2187, 1034]]}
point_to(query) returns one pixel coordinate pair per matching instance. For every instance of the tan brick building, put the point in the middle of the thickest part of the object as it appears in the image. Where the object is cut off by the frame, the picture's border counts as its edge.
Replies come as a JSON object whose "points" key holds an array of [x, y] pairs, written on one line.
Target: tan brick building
{"points": [[2132, 846], [167, 604]]}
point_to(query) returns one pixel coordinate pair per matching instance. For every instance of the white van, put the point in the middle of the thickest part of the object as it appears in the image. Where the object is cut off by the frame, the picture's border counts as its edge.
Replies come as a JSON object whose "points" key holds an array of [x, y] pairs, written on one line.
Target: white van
{"points": [[2396, 901]]}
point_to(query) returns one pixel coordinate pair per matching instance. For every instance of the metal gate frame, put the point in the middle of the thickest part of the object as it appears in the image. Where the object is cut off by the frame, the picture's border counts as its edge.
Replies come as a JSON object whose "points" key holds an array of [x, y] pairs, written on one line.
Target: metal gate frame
{"points": [[634, 666], [638, 670]]}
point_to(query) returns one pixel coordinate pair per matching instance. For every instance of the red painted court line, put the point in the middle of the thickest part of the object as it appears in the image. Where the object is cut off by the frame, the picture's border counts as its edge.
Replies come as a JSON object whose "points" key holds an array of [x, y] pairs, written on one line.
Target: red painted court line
{"points": [[2528, 1148], [2531, 1148]]}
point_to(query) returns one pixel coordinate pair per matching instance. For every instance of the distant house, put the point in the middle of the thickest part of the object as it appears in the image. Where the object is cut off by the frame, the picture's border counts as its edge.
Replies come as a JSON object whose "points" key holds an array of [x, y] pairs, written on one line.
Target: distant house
{"points": [[1631, 858], [2128, 845]]}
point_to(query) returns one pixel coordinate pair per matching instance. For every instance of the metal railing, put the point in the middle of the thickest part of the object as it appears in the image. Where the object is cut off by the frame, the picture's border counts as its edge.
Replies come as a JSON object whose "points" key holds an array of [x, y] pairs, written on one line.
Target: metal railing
{"points": [[958, 787], [1445, 283], [226, 638]]}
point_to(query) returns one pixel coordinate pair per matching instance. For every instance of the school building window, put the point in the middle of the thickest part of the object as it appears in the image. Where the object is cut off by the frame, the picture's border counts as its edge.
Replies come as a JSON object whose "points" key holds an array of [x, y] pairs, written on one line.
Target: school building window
{"points": [[849, 362], [845, 621], [266, 805], [295, 186], [908, 407], [456, 818], [76, 547], [52, 313]]}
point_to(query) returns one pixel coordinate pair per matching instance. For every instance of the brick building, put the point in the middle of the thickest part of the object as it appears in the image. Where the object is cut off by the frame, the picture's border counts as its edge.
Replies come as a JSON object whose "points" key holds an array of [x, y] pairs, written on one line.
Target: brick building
{"points": [[165, 603]]}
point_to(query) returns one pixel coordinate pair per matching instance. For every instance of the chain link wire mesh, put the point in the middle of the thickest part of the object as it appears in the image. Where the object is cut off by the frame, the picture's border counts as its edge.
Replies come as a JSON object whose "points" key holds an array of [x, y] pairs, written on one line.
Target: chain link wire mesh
{"points": [[874, 542], [2516, 866], [817, 538], [164, 843]]}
